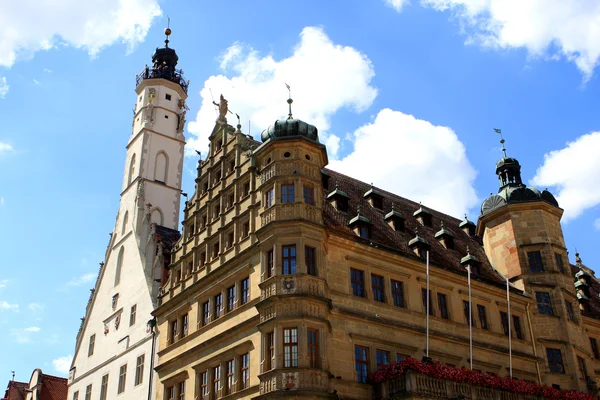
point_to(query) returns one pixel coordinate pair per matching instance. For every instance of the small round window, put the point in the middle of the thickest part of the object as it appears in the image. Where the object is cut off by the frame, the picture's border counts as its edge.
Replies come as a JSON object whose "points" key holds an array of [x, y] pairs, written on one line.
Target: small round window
{"points": [[287, 154], [269, 160], [307, 157]]}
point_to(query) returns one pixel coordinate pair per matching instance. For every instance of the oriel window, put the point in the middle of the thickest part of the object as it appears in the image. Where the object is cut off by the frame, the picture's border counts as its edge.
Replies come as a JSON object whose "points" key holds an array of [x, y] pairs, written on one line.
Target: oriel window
{"points": [[543, 303], [290, 347], [383, 358], [555, 361], [287, 193], [309, 197], [535, 261], [309, 258], [289, 259], [313, 347]]}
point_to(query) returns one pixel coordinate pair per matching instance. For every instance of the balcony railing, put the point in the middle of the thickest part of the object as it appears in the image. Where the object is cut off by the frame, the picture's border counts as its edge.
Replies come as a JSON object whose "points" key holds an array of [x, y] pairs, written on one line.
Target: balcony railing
{"points": [[175, 76], [292, 380], [280, 212]]}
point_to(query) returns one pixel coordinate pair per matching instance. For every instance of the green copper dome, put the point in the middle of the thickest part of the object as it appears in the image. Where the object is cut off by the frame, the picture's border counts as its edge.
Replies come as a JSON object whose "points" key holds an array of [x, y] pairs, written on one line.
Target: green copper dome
{"points": [[290, 128]]}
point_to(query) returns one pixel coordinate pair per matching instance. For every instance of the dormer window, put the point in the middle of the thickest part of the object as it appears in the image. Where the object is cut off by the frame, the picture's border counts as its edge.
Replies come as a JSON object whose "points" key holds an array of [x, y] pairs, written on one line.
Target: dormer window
{"points": [[325, 179], [423, 216], [374, 198], [395, 219], [339, 199], [445, 237], [472, 262], [361, 226], [419, 245], [467, 226]]}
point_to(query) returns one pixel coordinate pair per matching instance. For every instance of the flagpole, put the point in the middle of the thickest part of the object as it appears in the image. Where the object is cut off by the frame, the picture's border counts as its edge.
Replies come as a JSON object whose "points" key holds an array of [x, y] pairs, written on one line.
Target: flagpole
{"points": [[470, 319], [509, 330], [427, 308]]}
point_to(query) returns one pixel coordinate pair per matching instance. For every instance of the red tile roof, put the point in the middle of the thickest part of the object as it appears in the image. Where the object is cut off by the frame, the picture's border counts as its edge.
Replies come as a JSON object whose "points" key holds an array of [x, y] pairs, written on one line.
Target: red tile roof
{"points": [[53, 388], [16, 390]]}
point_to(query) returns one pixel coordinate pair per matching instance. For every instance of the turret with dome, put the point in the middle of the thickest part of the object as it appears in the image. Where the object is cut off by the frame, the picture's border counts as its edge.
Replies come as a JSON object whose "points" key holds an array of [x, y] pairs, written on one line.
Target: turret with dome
{"points": [[291, 127]]}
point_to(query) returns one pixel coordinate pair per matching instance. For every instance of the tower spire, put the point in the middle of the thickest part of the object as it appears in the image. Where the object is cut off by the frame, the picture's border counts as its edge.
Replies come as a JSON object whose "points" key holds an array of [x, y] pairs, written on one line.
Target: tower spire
{"points": [[499, 131], [167, 32], [289, 101]]}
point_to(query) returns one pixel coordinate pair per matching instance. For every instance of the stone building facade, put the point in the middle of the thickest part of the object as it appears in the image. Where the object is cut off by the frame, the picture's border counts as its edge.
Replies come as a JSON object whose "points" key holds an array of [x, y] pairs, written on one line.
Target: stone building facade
{"points": [[292, 280]]}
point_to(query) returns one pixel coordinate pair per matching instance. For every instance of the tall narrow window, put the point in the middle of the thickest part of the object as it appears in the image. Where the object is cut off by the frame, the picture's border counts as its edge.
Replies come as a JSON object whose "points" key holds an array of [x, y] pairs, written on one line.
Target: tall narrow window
{"points": [[184, 326], [270, 266], [91, 344], [559, 262], [424, 300], [287, 193], [309, 258], [466, 308], [535, 261], [361, 357], [76, 395], [269, 198], [555, 361], [313, 347], [171, 393], [122, 377], [131, 170], [382, 358], [205, 313], [181, 390], [139, 370], [230, 298], [230, 376], [119, 266], [582, 368], [103, 387], [309, 197], [289, 259], [377, 288], [132, 314], [125, 220], [160, 168], [504, 321], [290, 347], [245, 371], [570, 311], [245, 290], [443, 305], [218, 305], [204, 385], [517, 327], [594, 345], [216, 382], [88, 392], [357, 278], [270, 356], [543, 303], [397, 293], [174, 332], [482, 317]]}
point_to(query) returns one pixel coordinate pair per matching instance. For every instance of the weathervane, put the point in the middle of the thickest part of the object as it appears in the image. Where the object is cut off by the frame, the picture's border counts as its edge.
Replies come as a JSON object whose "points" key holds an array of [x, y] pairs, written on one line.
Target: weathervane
{"points": [[289, 100], [499, 131], [168, 31]]}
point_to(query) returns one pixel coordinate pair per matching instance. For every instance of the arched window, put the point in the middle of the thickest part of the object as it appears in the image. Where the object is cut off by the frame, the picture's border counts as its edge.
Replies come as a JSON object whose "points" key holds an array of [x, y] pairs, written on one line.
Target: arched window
{"points": [[125, 220], [119, 266], [156, 216], [160, 167], [131, 170]]}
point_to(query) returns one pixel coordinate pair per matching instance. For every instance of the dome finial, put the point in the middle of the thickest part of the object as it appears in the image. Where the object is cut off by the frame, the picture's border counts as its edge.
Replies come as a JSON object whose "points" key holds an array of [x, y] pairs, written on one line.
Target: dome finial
{"points": [[168, 31], [289, 100], [499, 131]]}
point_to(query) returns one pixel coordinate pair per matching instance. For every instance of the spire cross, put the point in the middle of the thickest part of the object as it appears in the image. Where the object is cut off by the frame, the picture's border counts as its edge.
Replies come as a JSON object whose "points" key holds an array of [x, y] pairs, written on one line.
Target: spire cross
{"points": [[499, 131], [289, 100]]}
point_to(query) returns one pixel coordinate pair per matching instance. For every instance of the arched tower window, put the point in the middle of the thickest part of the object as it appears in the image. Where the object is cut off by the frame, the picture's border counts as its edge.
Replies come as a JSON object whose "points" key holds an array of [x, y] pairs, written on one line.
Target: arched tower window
{"points": [[119, 266], [125, 220], [161, 167], [156, 216], [131, 170]]}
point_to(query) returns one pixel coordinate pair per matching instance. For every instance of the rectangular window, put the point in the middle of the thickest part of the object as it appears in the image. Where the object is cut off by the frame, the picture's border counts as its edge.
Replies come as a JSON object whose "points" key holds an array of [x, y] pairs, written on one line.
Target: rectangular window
{"points": [[168, 97], [139, 370], [204, 385], [287, 193], [424, 300], [91, 345], [216, 382], [466, 308], [504, 321], [218, 305], [582, 368], [205, 313], [174, 332], [555, 361], [570, 311], [245, 290], [245, 371], [535, 261], [270, 266], [216, 249], [594, 345], [309, 258], [309, 197], [290, 347], [181, 390], [443, 305], [517, 326], [377, 288], [122, 377], [171, 392], [269, 197], [383, 358], [289, 259], [559, 262], [132, 314], [245, 229], [482, 317], [397, 288], [400, 357], [357, 278], [363, 231], [246, 189], [76, 395], [313, 348], [88, 392], [217, 211], [230, 240], [230, 375], [104, 387], [230, 298], [184, 326], [543, 303], [270, 356], [361, 356]]}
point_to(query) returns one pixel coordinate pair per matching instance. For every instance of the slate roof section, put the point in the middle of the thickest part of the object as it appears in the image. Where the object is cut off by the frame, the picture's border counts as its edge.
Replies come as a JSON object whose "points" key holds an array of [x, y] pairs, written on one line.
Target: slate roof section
{"points": [[594, 302], [168, 236], [384, 237]]}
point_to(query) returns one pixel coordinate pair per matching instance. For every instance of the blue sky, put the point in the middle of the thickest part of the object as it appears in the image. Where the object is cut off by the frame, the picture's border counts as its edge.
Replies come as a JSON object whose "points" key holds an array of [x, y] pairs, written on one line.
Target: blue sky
{"points": [[405, 94]]}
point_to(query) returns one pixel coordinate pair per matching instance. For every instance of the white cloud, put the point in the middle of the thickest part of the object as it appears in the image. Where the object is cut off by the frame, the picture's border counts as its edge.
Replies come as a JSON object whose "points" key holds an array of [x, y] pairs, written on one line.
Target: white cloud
{"points": [[573, 171], [549, 28], [597, 224], [325, 77], [1, 204], [81, 24], [35, 81], [24, 335], [4, 305], [414, 159], [3, 282], [3, 87], [48, 71], [397, 4], [5, 148], [86, 278], [35, 307], [63, 364]]}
